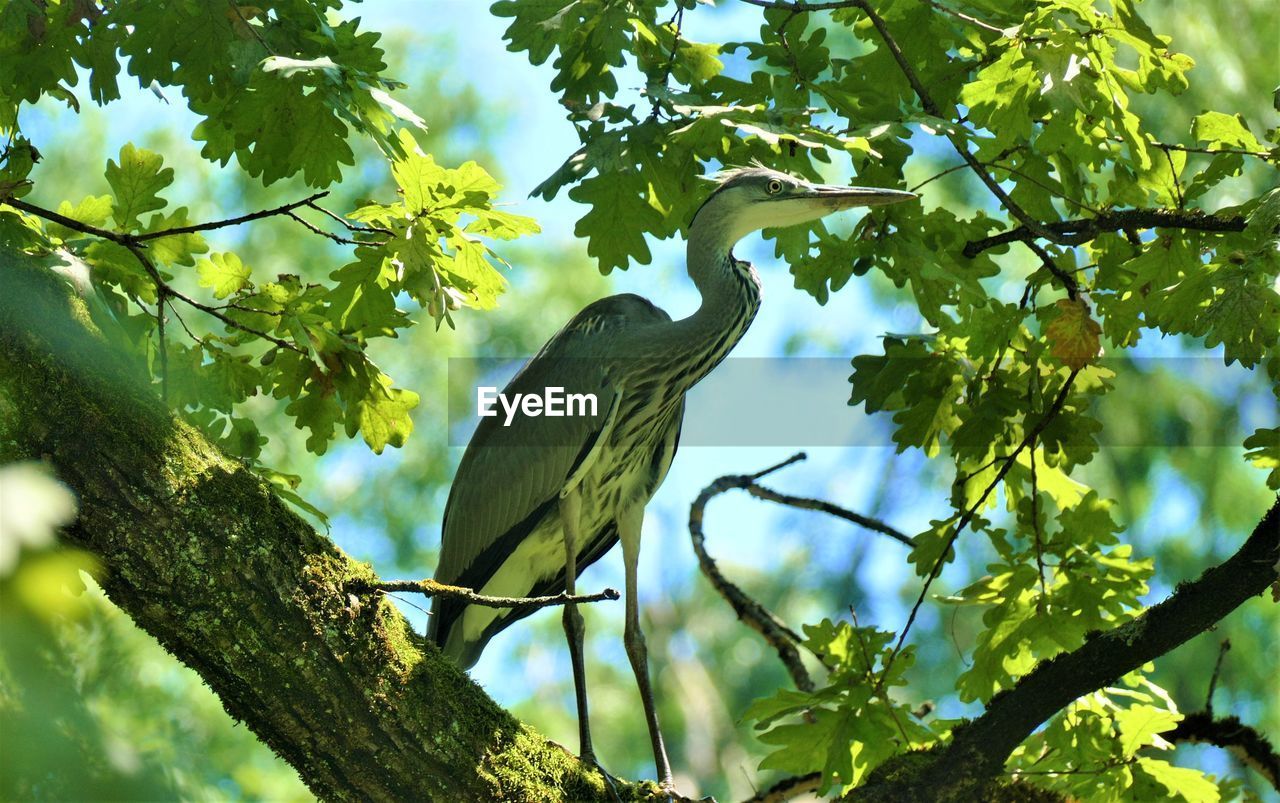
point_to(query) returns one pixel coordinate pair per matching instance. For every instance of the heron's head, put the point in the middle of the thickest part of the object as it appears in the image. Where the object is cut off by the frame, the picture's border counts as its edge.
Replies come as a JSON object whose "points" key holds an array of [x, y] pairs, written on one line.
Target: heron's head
{"points": [[748, 199]]}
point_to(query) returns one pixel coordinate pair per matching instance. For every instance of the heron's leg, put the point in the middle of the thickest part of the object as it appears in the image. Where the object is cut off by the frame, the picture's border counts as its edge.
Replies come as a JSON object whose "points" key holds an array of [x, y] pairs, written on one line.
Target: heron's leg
{"points": [[629, 524], [570, 516]]}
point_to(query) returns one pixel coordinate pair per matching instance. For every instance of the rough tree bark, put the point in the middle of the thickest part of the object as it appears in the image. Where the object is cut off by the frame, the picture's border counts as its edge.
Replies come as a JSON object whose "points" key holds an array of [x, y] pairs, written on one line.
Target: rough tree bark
{"points": [[203, 556]]}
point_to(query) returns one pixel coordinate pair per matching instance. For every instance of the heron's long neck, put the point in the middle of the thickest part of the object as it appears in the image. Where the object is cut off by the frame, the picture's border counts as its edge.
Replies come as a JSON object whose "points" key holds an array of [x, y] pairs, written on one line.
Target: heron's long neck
{"points": [[730, 299]]}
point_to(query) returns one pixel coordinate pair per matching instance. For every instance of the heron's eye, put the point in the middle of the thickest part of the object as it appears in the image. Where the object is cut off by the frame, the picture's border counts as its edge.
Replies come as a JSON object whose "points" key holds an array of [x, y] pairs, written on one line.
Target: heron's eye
{"points": [[774, 187]]}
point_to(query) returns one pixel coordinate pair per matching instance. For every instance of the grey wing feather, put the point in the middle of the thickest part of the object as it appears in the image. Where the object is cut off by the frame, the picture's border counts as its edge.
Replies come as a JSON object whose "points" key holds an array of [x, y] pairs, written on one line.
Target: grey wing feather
{"points": [[510, 477]]}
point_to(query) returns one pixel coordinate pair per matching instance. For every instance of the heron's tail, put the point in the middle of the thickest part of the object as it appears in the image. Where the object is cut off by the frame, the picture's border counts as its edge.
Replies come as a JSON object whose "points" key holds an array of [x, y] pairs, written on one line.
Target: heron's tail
{"points": [[451, 640]]}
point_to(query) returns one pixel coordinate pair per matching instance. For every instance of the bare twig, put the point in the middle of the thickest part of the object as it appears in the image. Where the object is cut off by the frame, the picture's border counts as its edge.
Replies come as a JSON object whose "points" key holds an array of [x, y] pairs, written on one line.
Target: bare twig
{"points": [[823, 506], [799, 6], [986, 26], [348, 224], [1213, 679], [1068, 281], [802, 5], [430, 588], [63, 220], [1173, 173], [759, 618], [870, 674], [1075, 232], [235, 7], [1035, 528], [677, 20], [222, 224], [162, 294], [330, 235]]}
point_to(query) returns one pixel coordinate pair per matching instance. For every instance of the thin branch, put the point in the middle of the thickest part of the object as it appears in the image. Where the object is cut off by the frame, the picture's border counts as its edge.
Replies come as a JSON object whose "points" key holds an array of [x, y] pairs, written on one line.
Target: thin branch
{"points": [[1245, 743], [936, 176], [972, 511], [1177, 183], [222, 224], [800, 5], [348, 224], [788, 788], [162, 295], [870, 675], [986, 26], [676, 22], [1035, 528], [330, 235], [235, 7], [759, 618], [186, 328], [823, 506], [1213, 679], [430, 588], [1068, 281], [1075, 232], [63, 220], [151, 270]]}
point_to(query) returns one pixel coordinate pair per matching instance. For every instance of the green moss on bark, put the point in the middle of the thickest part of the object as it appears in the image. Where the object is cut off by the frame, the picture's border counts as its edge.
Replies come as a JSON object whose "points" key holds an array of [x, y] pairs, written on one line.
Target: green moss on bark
{"points": [[201, 553]]}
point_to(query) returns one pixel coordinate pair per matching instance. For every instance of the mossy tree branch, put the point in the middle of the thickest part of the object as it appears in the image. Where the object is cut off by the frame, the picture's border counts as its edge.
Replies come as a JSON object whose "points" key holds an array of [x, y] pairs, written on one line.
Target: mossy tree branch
{"points": [[203, 556], [978, 750]]}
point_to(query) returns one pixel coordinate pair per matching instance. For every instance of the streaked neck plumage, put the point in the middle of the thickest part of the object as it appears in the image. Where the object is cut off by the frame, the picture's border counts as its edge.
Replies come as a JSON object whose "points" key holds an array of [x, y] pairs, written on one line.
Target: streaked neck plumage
{"points": [[730, 293]]}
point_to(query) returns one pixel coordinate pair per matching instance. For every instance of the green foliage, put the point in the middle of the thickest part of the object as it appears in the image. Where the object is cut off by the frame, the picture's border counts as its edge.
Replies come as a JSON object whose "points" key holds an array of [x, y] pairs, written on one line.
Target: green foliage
{"points": [[849, 726], [301, 342], [1114, 730]]}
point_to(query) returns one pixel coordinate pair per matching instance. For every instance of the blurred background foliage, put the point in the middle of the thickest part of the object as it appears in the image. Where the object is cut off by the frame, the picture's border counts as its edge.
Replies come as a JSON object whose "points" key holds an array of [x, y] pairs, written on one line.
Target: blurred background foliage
{"points": [[97, 710]]}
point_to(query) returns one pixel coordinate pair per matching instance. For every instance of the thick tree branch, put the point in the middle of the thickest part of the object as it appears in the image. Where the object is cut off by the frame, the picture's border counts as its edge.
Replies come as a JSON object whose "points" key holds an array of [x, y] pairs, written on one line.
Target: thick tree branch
{"points": [[979, 749], [1075, 232], [1245, 743], [201, 554]]}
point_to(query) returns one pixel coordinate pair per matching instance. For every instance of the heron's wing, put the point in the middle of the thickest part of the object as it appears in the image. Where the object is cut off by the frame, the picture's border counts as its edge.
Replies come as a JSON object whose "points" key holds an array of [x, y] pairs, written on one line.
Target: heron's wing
{"points": [[511, 474]]}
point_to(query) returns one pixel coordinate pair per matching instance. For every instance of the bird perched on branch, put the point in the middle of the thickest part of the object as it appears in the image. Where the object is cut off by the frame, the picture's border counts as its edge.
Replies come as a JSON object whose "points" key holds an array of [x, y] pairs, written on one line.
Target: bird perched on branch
{"points": [[538, 499]]}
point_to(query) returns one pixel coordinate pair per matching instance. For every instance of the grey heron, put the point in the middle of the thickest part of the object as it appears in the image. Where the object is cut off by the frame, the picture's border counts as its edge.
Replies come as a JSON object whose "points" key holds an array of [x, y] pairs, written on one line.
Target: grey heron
{"points": [[537, 499]]}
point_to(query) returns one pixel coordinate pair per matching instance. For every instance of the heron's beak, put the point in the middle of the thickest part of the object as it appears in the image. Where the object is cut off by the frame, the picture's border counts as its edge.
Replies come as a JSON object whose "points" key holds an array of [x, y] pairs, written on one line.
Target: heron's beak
{"points": [[832, 199]]}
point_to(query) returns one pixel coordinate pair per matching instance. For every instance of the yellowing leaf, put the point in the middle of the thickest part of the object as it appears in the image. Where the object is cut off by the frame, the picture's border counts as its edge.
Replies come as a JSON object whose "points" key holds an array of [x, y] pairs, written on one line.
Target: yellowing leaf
{"points": [[1074, 336], [224, 273]]}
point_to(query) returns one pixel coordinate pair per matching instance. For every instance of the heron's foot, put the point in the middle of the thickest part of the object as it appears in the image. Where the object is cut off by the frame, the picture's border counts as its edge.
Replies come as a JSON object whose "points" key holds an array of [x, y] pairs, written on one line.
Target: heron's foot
{"points": [[589, 758]]}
